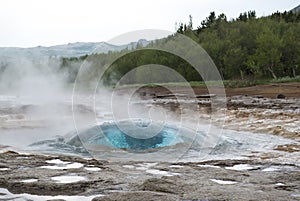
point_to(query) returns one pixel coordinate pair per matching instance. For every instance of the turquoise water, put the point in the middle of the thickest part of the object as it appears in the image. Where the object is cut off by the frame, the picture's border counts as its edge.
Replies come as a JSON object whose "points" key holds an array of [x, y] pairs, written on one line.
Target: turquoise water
{"points": [[114, 137]]}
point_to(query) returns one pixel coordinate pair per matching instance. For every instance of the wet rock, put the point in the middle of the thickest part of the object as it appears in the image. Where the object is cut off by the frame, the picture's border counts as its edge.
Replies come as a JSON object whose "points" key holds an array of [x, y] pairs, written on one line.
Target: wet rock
{"points": [[161, 185], [142, 93], [242, 114], [206, 96], [288, 148], [259, 96], [83, 108], [118, 183], [137, 196], [280, 96]]}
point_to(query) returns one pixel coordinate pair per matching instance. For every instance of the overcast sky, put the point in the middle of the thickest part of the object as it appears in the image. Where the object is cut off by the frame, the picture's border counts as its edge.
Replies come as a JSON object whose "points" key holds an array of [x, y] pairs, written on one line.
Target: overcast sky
{"points": [[28, 23]]}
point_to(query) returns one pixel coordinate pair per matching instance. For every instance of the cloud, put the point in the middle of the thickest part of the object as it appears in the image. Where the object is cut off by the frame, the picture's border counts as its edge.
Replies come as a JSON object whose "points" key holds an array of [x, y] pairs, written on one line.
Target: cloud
{"points": [[51, 22]]}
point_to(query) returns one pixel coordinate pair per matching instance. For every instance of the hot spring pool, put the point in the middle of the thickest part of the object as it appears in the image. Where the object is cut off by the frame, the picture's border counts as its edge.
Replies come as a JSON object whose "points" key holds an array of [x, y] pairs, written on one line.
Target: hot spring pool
{"points": [[132, 141], [113, 136], [171, 143]]}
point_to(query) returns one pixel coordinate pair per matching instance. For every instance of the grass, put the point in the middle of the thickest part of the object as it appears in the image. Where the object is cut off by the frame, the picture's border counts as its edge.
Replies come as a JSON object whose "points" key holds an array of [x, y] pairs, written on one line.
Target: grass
{"points": [[248, 83], [226, 83], [173, 84], [287, 79]]}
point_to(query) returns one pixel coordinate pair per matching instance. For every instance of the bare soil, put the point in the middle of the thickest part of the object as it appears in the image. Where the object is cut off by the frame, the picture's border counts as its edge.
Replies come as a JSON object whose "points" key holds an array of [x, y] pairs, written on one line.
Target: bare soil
{"points": [[289, 90]]}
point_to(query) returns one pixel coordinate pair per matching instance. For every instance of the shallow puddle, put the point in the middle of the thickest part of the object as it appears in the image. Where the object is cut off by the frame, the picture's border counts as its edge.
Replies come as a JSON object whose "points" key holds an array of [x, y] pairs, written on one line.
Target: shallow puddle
{"points": [[62, 166], [176, 166], [66, 179], [209, 166], [29, 180], [241, 167], [222, 181], [57, 161], [162, 172], [6, 195], [92, 169]]}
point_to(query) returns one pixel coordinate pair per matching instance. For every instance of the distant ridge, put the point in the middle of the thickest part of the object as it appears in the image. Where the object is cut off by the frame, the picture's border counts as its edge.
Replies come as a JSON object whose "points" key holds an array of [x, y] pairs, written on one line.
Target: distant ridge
{"points": [[68, 50], [296, 9]]}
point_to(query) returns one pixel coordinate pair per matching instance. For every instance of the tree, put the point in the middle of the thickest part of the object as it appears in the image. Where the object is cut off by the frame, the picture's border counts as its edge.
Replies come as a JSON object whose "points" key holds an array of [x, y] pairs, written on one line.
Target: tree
{"points": [[190, 25], [208, 22], [290, 50], [251, 15], [268, 53]]}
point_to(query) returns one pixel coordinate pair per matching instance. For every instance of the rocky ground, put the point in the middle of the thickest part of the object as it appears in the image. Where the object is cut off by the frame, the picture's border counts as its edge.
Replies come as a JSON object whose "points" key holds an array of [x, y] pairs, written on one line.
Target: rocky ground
{"points": [[210, 180], [273, 108], [289, 90], [261, 176]]}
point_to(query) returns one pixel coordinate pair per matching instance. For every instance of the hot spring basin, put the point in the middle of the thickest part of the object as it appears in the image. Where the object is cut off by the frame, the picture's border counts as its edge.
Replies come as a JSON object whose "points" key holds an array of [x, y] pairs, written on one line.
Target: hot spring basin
{"points": [[111, 135]]}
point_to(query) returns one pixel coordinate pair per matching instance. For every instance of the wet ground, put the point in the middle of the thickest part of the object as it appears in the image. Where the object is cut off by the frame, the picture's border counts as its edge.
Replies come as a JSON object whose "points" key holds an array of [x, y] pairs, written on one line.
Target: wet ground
{"points": [[261, 159], [104, 180]]}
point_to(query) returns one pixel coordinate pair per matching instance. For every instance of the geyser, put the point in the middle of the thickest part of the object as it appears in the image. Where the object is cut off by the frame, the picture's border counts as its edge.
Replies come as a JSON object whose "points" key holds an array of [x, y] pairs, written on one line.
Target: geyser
{"points": [[126, 140], [112, 135]]}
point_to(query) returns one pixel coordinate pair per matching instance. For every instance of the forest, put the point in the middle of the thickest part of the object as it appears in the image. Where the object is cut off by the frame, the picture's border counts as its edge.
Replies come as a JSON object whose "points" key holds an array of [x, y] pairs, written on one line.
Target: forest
{"points": [[245, 48]]}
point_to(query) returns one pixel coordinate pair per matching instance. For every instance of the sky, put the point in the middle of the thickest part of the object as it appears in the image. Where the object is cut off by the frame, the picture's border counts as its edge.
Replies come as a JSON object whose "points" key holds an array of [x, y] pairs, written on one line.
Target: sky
{"points": [[30, 23]]}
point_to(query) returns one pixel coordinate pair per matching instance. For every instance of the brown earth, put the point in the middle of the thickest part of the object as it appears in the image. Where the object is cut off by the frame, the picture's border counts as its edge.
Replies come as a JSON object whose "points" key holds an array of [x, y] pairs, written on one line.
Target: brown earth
{"points": [[255, 109], [290, 90]]}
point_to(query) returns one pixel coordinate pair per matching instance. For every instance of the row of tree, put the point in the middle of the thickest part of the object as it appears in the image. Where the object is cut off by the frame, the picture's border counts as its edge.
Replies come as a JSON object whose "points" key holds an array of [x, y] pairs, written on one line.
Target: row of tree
{"points": [[243, 48], [267, 47]]}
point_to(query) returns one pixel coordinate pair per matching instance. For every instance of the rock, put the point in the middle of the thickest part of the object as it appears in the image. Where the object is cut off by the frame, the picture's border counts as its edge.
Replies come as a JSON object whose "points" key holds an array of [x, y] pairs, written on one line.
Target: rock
{"points": [[288, 148], [142, 93], [137, 196], [206, 96], [161, 185], [280, 96], [165, 95], [242, 114], [119, 183], [259, 96]]}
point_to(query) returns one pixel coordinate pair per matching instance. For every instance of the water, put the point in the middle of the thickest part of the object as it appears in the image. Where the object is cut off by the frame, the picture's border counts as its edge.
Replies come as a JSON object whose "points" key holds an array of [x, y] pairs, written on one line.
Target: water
{"points": [[116, 138], [168, 145], [7, 195], [109, 141]]}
